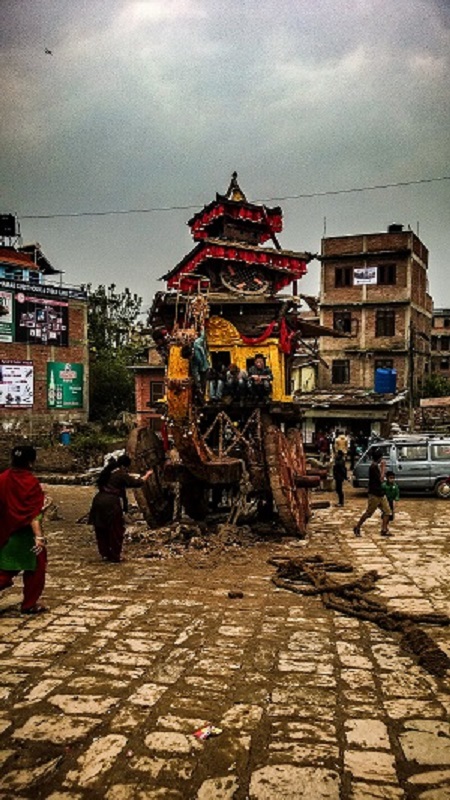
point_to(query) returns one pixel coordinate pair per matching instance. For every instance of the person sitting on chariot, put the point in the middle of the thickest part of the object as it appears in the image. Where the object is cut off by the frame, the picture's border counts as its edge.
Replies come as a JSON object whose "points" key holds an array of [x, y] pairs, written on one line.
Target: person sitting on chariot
{"points": [[216, 382], [236, 382], [260, 379]]}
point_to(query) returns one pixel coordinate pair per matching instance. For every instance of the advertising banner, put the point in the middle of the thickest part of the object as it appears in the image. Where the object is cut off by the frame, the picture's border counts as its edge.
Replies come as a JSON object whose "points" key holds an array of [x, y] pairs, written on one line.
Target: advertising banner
{"points": [[45, 290], [16, 383], [64, 385], [6, 317], [39, 320], [365, 275]]}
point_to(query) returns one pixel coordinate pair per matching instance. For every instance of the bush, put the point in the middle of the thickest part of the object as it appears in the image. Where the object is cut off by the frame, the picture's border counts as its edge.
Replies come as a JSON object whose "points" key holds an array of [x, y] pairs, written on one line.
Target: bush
{"points": [[91, 446]]}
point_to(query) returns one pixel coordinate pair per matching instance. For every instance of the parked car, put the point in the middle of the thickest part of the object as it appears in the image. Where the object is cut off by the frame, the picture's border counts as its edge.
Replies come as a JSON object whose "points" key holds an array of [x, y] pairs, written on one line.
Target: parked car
{"points": [[420, 463]]}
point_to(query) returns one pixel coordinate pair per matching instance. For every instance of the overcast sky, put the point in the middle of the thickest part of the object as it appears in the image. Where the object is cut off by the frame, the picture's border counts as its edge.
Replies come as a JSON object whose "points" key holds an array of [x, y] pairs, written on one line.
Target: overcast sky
{"points": [[150, 103]]}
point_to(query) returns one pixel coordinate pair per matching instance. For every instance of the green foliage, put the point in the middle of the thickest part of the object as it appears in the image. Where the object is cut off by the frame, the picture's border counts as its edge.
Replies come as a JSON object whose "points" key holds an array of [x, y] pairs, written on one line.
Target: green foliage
{"points": [[436, 386], [113, 346], [111, 387], [89, 444], [112, 316]]}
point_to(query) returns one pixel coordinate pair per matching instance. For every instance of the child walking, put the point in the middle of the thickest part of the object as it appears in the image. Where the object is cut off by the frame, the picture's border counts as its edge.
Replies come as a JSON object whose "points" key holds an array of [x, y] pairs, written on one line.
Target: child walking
{"points": [[392, 492]]}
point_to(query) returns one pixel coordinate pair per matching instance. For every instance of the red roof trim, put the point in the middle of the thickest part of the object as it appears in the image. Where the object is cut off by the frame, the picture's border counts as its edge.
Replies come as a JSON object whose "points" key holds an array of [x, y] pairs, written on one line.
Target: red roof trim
{"points": [[291, 266]]}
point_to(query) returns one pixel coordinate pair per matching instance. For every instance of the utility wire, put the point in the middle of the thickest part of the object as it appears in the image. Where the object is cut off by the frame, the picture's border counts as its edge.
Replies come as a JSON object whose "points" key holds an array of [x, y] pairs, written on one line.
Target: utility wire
{"points": [[306, 195]]}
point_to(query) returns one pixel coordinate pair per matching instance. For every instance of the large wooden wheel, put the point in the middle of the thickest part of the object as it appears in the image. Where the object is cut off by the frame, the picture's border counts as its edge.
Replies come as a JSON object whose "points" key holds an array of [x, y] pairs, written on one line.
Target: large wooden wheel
{"points": [[299, 458], [154, 499], [286, 463]]}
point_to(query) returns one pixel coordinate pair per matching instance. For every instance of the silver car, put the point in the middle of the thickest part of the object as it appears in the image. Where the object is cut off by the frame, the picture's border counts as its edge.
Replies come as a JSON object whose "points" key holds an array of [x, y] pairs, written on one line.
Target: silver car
{"points": [[420, 463]]}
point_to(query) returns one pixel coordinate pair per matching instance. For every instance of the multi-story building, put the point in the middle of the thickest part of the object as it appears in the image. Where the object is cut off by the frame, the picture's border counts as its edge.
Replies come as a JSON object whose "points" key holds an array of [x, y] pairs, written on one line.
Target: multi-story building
{"points": [[440, 342], [374, 287], [43, 344]]}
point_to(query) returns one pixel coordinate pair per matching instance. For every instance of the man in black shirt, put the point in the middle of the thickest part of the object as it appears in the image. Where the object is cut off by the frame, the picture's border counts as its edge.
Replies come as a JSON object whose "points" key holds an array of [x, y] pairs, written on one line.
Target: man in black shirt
{"points": [[376, 498]]}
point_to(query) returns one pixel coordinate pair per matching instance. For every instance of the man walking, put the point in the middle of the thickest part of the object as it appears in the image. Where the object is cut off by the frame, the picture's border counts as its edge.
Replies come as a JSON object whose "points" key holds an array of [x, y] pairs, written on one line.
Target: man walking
{"points": [[376, 498], [340, 475]]}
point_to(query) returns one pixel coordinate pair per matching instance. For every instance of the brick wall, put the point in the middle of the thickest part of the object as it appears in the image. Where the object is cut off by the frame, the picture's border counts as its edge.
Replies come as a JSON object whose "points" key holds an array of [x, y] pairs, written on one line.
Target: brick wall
{"points": [[408, 299], [40, 416], [143, 379]]}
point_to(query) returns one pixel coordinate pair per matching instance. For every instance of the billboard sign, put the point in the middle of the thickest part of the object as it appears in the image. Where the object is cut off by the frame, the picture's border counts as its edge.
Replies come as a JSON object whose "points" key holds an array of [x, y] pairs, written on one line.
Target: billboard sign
{"points": [[16, 383], [64, 385], [45, 290], [365, 276], [39, 320], [6, 317]]}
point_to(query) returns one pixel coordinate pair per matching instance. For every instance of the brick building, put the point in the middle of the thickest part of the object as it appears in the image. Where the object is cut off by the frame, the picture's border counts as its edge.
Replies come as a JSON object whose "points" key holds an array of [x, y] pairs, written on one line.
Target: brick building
{"points": [[149, 382], [440, 342], [43, 344], [374, 287]]}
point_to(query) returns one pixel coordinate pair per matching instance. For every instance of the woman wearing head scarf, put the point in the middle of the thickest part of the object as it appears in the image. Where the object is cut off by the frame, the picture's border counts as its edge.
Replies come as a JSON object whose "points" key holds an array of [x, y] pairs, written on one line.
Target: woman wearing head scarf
{"points": [[108, 505], [22, 544]]}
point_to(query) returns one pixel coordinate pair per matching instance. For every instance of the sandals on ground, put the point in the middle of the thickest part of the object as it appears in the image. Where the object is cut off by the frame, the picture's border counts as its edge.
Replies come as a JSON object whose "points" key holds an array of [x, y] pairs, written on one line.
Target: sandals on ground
{"points": [[35, 610]]}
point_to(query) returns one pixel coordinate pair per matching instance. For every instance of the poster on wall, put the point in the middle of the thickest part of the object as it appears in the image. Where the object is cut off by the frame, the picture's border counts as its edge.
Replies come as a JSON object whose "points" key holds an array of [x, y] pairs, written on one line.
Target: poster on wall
{"points": [[64, 385], [365, 275], [16, 383], [39, 320], [6, 317]]}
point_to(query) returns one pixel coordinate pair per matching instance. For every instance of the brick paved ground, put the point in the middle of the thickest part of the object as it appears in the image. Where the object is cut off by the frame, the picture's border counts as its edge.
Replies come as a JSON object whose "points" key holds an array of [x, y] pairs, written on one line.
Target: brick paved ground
{"points": [[101, 696]]}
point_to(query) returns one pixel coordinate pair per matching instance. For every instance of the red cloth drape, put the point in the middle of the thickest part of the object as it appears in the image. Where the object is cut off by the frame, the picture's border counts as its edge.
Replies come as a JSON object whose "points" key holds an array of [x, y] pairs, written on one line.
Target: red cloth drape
{"points": [[21, 500], [285, 340], [263, 336]]}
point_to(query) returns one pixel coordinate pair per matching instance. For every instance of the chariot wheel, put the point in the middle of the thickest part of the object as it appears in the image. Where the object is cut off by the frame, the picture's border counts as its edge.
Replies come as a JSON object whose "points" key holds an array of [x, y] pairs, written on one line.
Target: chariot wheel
{"points": [[299, 458], [154, 498], [285, 461]]}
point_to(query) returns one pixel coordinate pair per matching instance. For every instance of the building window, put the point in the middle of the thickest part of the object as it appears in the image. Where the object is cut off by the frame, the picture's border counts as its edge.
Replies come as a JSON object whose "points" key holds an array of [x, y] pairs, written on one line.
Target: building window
{"points": [[342, 321], [385, 323], [387, 274], [340, 372], [156, 391], [446, 322], [434, 342], [445, 343], [343, 276], [445, 363], [383, 363]]}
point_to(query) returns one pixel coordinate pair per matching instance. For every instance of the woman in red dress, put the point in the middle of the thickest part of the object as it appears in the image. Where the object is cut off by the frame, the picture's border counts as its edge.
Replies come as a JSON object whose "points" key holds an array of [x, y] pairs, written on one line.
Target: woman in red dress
{"points": [[22, 543]]}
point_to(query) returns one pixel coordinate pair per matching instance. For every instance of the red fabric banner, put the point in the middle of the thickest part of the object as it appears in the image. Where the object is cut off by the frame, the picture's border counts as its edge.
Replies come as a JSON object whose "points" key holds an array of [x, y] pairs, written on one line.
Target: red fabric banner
{"points": [[263, 336]]}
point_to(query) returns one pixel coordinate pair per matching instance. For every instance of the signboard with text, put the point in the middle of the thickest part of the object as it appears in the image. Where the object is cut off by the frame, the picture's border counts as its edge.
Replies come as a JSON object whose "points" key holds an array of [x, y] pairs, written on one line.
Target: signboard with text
{"points": [[64, 385], [365, 275], [16, 383], [39, 320], [6, 317]]}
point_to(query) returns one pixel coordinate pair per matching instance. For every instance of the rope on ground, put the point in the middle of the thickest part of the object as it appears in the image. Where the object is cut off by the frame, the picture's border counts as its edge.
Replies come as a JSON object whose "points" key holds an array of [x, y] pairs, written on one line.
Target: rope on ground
{"points": [[310, 576]]}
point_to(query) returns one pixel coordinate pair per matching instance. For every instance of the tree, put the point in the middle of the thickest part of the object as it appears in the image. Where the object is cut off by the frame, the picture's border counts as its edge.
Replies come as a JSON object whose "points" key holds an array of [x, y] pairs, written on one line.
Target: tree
{"points": [[113, 347], [111, 317], [436, 386]]}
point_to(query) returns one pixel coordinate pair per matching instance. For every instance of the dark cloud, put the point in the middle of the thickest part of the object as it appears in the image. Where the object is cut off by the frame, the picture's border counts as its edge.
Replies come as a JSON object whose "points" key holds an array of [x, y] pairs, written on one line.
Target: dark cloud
{"points": [[155, 102]]}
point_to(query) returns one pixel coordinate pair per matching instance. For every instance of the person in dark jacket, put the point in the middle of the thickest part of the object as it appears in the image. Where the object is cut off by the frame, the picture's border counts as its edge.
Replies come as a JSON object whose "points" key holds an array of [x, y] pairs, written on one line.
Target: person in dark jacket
{"points": [[109, 504], [340, 475], [376, 496]]}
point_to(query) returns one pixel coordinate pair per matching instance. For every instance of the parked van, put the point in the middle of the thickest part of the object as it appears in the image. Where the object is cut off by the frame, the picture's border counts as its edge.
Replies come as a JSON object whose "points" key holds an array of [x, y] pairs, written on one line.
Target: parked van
{"points": [[421, 463]]}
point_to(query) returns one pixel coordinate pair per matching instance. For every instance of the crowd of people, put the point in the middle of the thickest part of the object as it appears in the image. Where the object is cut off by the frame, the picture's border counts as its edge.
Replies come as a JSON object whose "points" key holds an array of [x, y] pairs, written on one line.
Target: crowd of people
{"points": [[339, 447], [23, 503], [238, 384]]}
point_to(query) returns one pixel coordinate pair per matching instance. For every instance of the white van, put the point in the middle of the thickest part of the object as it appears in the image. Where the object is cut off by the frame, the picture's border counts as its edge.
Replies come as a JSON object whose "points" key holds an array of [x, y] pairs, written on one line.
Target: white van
{"points": [[421, 463]]}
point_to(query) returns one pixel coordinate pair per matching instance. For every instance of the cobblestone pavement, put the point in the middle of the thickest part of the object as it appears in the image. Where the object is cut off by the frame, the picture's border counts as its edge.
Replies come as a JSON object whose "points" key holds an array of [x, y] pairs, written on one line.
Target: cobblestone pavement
{"points": [[101, 696]]}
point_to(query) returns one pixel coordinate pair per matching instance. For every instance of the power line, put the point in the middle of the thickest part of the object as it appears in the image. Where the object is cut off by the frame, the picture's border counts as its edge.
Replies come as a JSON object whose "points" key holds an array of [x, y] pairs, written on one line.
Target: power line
{"points": [[306, 195]]}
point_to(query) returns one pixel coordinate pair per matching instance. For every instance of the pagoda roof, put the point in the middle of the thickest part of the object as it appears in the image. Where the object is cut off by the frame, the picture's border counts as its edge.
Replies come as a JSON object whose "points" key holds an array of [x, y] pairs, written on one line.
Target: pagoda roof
{"points": [[288, 264], [235, 206]]}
